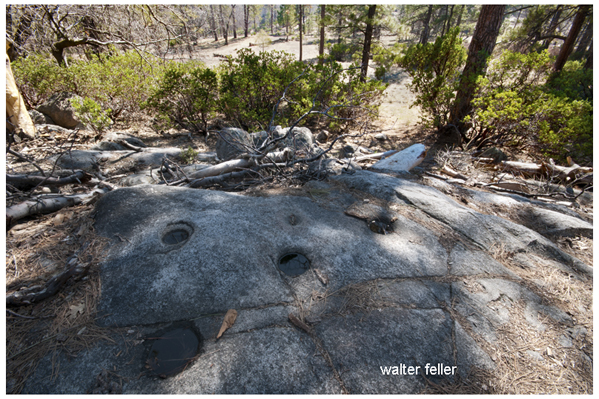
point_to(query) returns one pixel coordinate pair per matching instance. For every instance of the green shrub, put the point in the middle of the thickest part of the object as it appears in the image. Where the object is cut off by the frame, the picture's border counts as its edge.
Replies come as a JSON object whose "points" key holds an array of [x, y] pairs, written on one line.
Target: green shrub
{"points": [[515, 106], [186, 96], [573, 81], [91, 114], [385, 58], [343, 52], [188, 156], [39, 77], [252, 84], [435, 69], [119, 82]]}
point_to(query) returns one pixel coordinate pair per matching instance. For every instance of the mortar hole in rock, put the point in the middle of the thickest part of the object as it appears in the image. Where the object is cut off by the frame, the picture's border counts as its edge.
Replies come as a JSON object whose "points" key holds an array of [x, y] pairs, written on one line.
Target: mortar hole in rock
{"points": [[294, 264], [173, 351], [175, 237]]}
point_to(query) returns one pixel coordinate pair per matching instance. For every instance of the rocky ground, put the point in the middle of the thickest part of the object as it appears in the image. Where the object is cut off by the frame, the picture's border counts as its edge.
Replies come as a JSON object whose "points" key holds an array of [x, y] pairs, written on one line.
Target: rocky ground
{"points": [[495, 286]]}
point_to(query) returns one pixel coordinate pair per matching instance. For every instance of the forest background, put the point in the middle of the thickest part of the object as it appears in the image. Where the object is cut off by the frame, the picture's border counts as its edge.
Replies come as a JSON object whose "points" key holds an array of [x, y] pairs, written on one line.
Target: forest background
{"points": [[528, 86]]}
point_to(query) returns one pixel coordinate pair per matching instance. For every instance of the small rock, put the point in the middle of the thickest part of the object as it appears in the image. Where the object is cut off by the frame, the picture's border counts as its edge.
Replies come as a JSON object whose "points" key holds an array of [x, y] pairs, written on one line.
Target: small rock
{"points": [[577, 332], [322, 137], [494, 153], [565, 341], [380, 136], [535, 355]]}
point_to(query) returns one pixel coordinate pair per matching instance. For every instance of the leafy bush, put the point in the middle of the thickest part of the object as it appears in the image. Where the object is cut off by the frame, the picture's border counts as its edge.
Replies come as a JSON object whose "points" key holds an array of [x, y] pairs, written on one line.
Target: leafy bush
{"points": [[90, 113], [573, 81], [435, 69], [188, 156], [252, 84], [514, 105], [39, 77], [344, 51], [385, 58], [186, 96], [119, 82]]}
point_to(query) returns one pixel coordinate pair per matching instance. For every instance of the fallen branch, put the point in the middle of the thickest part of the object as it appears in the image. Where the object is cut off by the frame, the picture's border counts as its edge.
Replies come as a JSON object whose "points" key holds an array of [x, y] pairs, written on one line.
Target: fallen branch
{"points": [[28, 181], [212, 180], [221, 168], [130, 146], [450, 172], [37, 293], [47, 205]]}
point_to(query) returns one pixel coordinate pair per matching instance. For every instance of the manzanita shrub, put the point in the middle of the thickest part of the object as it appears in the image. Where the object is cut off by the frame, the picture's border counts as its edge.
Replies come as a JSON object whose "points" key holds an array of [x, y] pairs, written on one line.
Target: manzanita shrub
{"points": [[118, 81], [435, 69], [522, 102], [186, 96], [244, 90]]}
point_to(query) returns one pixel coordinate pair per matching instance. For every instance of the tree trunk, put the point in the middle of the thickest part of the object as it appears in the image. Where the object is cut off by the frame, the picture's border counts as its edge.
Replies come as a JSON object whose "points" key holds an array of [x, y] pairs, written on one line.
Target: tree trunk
{"points": [[301, 24], [213, 23], [445, 30], [367, 42], [568, 45], [481, 47], [321, 43], [223, 26], [272, 18], [234, 22], [552, 27], [426, 28], [459, 21], [246, 19]]}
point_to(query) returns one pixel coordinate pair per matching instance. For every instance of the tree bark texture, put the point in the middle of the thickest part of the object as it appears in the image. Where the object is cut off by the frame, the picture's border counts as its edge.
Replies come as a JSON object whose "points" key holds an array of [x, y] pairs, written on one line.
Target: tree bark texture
{"points": [[367, 42], [426, 28], [234, 22], [481, 47], [222, 24], [301, 20], [568, 45], [321, 43], [17, 117], [246, 19], [213, 23]]}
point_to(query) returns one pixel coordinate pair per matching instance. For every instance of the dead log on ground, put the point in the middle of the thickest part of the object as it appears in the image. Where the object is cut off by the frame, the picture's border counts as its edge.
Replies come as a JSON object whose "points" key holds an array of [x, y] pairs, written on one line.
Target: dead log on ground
{"points": [[30, 181], [38, 293], [130, 146], [46, 205]]}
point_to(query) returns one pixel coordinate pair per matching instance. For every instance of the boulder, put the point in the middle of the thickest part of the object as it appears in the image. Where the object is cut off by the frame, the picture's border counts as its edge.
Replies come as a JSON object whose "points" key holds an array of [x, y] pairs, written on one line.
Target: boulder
{"points": [[40, 119], [59, 108], [322, 137], [494, 153], [231, 142], [301, 139]]}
